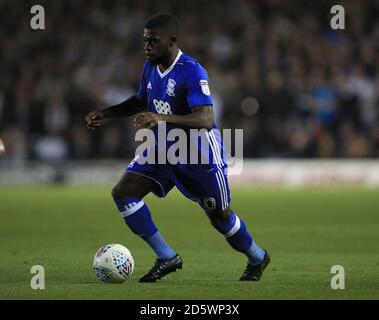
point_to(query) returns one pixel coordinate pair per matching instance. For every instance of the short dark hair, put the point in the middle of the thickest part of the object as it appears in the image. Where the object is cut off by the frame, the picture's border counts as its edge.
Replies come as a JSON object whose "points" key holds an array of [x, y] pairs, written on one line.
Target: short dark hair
{"points": [[166, 22]]}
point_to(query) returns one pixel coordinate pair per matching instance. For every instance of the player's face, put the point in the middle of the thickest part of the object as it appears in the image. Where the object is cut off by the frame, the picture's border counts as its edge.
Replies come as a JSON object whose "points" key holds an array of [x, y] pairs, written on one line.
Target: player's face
{"points": [[156, 45]]}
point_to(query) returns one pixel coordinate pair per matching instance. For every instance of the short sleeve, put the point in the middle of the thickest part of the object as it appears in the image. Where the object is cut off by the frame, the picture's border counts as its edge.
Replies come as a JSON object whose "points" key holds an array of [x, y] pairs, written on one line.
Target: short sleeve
{"points": [[198, 87], [142, 91]]}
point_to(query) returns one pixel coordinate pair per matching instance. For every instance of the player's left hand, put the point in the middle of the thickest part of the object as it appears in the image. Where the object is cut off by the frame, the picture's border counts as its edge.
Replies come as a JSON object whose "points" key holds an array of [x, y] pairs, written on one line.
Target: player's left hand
{"points": [[147, 120]]}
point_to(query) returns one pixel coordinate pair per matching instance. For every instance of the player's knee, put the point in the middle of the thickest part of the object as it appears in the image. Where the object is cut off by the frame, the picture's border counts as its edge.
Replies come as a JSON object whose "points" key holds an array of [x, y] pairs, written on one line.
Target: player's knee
{"points": [[126, 190], [116, 192], [219, 218], [121, 192]]}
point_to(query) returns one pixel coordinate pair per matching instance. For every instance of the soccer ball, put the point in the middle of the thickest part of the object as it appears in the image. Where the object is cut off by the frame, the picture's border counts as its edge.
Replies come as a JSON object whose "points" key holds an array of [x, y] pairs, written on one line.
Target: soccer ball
{"points": [[113, 263]]}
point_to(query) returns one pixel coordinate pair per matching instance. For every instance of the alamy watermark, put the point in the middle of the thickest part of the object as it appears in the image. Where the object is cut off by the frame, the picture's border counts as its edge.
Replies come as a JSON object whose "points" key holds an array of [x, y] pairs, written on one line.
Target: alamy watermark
{"points": [[38, 280], [338, 20], [337, 281], [192, 146], [37, 22]]}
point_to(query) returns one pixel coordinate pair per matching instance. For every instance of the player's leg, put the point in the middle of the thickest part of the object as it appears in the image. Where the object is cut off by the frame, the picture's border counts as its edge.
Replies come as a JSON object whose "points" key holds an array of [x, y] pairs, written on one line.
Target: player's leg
{"points": [[212, 192], [128, 195], [237, 235]]}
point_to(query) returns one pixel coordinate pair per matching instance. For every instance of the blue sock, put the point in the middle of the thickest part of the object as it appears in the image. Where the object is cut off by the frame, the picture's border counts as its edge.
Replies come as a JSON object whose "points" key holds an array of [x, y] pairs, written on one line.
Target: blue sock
{"points": [[255, 254], [239, 238], [138, 218], [160, 247]]}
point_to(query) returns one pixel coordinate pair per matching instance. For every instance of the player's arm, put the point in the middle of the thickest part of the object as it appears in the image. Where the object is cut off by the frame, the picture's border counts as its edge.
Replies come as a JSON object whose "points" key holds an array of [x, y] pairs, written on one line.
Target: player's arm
{"points": [[201, 117], [126, 108]]}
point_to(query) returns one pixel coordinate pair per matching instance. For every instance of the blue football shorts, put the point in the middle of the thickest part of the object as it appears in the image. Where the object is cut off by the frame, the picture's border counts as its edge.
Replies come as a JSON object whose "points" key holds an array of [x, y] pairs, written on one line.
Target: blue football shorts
{"points": [[209, 188]]}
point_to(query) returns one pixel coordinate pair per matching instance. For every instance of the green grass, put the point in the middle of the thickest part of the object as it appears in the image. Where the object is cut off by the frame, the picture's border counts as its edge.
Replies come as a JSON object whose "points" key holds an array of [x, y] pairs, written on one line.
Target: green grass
{"points": [[306, 231]]}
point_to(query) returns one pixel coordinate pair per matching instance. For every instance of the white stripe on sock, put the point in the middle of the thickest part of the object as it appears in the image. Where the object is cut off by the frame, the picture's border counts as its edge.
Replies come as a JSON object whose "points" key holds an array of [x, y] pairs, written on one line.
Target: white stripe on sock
{"points": [[234, 229], [132, 208]]}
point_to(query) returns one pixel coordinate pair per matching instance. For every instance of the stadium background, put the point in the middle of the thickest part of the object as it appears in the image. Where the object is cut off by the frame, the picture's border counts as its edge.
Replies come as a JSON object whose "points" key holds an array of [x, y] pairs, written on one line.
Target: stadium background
{"points": [[299, 89]]}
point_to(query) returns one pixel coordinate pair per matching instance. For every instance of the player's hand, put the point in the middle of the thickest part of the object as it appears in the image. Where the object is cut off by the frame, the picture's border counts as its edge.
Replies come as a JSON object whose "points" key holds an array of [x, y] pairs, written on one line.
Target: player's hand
{"points": [[94, 119], [147, 120]]}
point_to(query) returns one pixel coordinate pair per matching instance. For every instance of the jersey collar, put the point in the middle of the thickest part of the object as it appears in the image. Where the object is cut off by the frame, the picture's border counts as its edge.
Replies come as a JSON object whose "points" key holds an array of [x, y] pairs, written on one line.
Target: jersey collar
{"points": [[163, 74]]}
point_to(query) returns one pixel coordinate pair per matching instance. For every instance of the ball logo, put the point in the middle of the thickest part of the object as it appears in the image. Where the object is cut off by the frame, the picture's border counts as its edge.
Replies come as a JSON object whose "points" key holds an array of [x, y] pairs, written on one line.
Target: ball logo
{"points": [[162, 107], [103, 249], [122, 263]]}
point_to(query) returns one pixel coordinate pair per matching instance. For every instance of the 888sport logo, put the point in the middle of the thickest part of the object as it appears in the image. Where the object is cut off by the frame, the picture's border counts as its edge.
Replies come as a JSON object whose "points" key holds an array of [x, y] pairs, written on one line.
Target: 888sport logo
{"points": [[162, 107]]}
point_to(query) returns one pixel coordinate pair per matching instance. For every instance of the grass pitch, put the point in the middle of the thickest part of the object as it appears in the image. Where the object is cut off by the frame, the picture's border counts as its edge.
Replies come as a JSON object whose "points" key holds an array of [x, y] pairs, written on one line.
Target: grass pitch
{"points": [[306, 232]]}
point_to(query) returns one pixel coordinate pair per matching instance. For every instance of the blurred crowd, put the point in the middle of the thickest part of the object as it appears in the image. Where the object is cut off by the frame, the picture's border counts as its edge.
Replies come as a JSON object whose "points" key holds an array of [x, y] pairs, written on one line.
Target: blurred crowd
{"points": [[298, 88]]}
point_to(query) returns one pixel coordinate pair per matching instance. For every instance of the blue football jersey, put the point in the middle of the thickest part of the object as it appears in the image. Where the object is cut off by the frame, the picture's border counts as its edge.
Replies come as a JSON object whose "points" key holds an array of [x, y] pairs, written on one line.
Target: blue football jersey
{"points": [[179, 88]]}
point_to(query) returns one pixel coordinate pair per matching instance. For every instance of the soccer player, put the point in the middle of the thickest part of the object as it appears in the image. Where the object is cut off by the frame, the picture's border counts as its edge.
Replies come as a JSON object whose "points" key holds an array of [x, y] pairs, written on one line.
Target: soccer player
{"points": [[174, 89]]}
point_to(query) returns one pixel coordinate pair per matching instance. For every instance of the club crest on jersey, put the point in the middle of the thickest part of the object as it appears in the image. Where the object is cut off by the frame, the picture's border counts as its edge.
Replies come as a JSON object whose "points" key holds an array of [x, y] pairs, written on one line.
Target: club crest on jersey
{"points": [[171, 87], [204, 87]]}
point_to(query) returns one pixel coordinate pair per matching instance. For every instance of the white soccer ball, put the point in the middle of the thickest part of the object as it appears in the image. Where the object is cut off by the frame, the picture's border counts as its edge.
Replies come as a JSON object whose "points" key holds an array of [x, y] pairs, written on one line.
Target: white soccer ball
{"points": [[113, 263]]}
